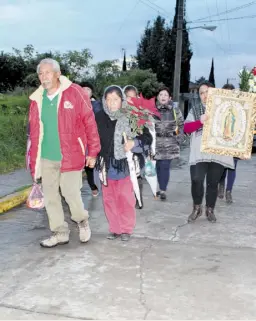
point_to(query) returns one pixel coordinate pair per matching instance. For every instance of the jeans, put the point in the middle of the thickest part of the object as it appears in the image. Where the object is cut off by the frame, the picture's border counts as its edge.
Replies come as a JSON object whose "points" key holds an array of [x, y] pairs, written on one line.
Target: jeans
{"points": [[163, 173], [212, 171], [231, 176]]}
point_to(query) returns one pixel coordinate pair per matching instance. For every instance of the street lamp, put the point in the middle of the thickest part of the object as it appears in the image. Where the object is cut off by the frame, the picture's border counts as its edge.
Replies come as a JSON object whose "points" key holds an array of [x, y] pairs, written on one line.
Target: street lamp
{"points": [[210, 28], [178, 53]]}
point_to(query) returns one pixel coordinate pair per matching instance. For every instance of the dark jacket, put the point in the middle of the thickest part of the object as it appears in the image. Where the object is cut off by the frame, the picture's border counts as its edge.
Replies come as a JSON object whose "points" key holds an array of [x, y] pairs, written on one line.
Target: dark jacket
{"points": [[169, 132], [96, 106]]}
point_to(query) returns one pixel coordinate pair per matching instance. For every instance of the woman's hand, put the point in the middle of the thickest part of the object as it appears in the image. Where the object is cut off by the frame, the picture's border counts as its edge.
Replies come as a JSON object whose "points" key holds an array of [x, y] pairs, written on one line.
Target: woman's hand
{"points": [[203, 118], [129, 145]]}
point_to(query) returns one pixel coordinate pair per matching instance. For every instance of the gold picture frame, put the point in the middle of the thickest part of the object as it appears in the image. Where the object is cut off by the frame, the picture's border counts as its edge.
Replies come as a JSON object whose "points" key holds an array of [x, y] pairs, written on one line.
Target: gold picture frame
{"points": [[230, 126]]}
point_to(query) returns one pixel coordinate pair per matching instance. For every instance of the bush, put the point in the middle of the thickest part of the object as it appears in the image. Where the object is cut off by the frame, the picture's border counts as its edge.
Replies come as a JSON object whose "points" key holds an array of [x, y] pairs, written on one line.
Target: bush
{"points": [[12, 142], [10, 104], [144, 80]]}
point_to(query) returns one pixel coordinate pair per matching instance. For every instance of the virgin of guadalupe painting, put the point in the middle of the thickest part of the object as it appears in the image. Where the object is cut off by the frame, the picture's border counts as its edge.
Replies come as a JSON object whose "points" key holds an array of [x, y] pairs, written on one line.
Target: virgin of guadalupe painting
{"points": [[229, 125], [229, 128]]}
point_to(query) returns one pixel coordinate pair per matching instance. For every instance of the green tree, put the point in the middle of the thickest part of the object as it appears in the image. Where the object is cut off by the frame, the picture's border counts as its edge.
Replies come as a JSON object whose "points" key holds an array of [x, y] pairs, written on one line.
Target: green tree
{"points": [[200, 80], [156, 50], [211, 76], [143, 55], [104, 73], [144, 80], [150, 49], [78, 62], [12, 71]]}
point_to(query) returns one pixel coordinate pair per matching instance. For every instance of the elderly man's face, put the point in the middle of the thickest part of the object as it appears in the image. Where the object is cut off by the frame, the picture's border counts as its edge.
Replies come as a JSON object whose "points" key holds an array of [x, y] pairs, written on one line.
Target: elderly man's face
{"points": [[48, 77]]}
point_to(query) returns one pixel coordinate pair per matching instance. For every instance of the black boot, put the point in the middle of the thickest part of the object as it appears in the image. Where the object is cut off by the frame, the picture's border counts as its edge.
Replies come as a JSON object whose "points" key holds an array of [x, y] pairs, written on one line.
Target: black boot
{"points": [[210, 214], [137, 206], [197, 212]]}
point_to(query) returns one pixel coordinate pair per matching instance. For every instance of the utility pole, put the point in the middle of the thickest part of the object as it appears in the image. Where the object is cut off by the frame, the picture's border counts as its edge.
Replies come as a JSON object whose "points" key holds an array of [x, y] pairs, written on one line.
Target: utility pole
{"points": [[228, 79], [178, 53]]}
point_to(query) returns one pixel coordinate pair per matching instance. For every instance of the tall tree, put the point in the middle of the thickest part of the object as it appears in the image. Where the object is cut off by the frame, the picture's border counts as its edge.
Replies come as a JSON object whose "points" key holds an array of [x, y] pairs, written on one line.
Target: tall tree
{"points": [[150, 49], [124, 62], [156, 51], [143, 57], [211, 76]]}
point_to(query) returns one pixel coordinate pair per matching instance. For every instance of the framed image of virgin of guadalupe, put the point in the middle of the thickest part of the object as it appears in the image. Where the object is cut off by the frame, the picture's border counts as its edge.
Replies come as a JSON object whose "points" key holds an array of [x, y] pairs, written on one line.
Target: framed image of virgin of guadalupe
{"points": [[230, 125]]}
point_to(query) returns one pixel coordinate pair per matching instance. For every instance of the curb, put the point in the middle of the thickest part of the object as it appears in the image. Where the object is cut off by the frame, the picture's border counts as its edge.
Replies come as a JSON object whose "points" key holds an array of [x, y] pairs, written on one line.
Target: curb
{"points": [[16, 198]]}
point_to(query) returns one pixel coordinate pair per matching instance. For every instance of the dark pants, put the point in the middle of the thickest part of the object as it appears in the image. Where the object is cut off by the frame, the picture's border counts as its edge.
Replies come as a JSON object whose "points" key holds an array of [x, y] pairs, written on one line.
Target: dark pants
{"points": [[90, 178], [212, 171], [163, 173], [231, 176]]}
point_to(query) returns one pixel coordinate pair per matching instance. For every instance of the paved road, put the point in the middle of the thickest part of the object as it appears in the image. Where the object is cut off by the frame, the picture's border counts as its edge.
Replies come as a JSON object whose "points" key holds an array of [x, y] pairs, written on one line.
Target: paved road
{"points": [[169, 269]]}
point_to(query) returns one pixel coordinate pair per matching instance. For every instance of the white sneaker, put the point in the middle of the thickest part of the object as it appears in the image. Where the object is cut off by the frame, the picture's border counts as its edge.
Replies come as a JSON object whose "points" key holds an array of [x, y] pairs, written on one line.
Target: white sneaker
{"points": [[84, 231], [58, 238]]}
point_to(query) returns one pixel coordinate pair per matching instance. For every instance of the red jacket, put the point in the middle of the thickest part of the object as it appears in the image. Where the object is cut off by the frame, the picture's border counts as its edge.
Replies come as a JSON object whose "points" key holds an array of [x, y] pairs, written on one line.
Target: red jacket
{"points": [[77, 128]]}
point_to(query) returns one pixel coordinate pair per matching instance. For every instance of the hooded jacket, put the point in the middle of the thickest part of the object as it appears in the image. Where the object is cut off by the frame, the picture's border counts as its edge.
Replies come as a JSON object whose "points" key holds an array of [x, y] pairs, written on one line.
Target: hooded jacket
{"points": [[76, 125], [108, 166], [169, 132]]}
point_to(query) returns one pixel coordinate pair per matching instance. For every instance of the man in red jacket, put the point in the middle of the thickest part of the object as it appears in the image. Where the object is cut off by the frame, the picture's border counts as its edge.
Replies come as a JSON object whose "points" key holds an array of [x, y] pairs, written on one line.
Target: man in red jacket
{"points": [[62, 128]]}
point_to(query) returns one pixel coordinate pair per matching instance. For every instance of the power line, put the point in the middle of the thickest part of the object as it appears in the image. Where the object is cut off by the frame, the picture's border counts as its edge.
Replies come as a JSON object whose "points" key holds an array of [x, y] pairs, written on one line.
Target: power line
{"points": [[225, 19], [147, 4], [157, 6], [127, 16], [228, 26], [225, 12], [206, 2], [221, 33]]}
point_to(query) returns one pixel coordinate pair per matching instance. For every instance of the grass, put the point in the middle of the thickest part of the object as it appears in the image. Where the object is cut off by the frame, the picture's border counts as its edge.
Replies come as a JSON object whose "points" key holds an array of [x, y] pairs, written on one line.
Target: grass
{"points": [[13, 140], [10, 104]]}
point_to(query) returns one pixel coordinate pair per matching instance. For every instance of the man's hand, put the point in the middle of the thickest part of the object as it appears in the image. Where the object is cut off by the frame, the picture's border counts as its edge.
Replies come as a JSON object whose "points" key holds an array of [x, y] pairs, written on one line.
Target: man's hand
{"points": [[203, 118], [129, 145], [90, 162]]}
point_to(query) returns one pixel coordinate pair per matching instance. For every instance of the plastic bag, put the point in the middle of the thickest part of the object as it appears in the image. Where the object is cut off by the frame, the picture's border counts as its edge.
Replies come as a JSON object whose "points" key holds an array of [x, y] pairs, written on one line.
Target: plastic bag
{"points": [[28, 154], [36, 198], [150, 170]]}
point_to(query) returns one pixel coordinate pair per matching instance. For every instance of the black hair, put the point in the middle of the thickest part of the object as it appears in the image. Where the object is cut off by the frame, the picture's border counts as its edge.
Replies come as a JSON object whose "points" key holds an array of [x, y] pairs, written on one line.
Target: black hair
{"points": [[164, 89], [87, 84], [130, 87], [228, 86], [114, 89], [206, 83]]}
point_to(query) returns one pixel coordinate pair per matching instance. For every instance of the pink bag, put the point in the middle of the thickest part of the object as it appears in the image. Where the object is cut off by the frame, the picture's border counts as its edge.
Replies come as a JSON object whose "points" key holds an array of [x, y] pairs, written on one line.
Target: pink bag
{"points": [[36, 197]]}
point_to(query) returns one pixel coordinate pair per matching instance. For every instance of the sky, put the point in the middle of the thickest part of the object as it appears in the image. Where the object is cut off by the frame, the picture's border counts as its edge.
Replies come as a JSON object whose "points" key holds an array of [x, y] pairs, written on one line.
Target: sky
{"points": [[107, 26]]}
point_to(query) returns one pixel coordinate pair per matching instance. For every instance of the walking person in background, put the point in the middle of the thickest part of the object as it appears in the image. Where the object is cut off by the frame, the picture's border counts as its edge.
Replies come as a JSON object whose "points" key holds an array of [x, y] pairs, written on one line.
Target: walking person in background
{"points": [[117, 188], [228, 172], [203, 165], [96, 106], [61, 127], [131, 91], [169, 133]]}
